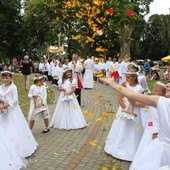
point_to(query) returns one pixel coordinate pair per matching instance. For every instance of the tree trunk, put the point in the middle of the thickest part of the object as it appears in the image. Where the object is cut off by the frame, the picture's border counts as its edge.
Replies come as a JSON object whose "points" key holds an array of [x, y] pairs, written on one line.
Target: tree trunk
{"points": [[125, 48], [125, 41]]}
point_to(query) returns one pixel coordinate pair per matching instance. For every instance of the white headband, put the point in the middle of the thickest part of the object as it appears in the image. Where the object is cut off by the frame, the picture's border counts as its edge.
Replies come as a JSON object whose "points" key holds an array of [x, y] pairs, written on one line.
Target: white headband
{"points": [[7, 72], [36, 77], [41, 77], [67, 69], [131, 72], [161, 84], [137, 66]]}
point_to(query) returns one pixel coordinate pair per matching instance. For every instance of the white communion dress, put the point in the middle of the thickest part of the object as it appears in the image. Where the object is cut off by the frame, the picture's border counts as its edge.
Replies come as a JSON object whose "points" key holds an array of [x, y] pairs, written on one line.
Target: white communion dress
{"points": [[151, 128], [9, 158], [156, 155], [68, 114], [14, 124], [125, 133]]}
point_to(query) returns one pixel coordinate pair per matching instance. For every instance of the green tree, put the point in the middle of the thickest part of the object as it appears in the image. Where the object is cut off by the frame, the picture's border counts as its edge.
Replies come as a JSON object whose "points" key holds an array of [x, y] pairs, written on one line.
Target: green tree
{"points": [[103, 26], [39, 17], [156, 37], [10, 26]]}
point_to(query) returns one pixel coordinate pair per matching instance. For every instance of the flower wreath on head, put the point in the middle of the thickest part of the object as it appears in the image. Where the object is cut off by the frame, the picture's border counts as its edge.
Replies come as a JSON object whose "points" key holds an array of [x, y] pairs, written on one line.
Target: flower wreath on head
{"points": [[131, 72], [161, 84], [7, 72], [67, 69]]}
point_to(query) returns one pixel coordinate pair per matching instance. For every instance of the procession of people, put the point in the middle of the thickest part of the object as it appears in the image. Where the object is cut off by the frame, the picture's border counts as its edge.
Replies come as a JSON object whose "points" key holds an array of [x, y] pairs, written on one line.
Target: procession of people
{"points": [[147, 149]]}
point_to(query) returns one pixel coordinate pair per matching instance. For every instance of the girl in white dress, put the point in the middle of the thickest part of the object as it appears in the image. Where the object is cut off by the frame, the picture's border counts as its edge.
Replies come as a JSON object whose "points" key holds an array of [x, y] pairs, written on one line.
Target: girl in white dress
{"points": [[67, 114], [157, 154], [125, 133], [13, 122], [38, 103], [152, 128], [9, 158], [141, 78], [142, 81]]}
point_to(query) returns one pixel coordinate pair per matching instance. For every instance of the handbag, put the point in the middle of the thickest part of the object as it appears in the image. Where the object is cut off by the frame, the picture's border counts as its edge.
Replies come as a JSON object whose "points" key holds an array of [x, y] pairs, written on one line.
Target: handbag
{"points": [[39, 107], [67, 97]]}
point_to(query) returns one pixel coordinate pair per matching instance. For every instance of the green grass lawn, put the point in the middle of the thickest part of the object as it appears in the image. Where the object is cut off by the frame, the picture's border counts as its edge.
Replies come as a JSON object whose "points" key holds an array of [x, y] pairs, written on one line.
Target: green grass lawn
{"points": [[24, 101], [151, 84]]}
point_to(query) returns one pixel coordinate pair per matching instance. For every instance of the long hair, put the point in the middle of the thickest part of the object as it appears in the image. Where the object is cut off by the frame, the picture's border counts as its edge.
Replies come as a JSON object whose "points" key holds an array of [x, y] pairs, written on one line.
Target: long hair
{"points": [[134, 74], [65, 76]]}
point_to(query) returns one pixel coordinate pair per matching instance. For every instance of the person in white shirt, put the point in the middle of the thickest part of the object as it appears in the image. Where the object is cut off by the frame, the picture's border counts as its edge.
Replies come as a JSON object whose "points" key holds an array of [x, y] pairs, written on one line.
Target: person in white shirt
{"points": [[38, 103], [55, 73], [123, 68], [109, 65], [41, 67], [97, 69], [66, 64], [88, 75], [46, 68], [77, 69]]}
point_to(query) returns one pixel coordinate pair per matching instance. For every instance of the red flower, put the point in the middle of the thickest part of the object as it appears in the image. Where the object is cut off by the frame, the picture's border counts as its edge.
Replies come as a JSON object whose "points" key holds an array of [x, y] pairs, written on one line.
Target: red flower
{"points": [[111, 10], [150, 124], [115, 75], [129, 13]]}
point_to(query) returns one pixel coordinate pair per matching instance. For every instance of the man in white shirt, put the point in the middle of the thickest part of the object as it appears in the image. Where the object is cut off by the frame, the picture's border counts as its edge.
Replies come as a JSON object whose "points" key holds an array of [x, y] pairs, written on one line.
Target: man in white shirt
{"points": [[88, 75], [77, 69]]}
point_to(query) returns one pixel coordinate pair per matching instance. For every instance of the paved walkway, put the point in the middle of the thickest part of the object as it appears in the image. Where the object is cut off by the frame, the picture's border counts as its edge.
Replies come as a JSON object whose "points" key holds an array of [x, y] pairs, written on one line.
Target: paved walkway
{"points": [[79, 149]]}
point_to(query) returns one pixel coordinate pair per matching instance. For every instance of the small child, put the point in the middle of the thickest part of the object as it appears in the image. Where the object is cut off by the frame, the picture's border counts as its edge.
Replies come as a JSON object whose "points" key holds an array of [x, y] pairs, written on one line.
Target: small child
{"points": [[152, 128], [38, 103], [12, 120], [67, 114], [125, 133]]}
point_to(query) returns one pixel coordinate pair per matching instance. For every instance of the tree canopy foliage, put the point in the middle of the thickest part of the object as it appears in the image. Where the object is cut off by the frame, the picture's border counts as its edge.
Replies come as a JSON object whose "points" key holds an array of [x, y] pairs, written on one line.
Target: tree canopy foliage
{"points": [[10, 22], [102, 26], [97, 27], [156, 37]]}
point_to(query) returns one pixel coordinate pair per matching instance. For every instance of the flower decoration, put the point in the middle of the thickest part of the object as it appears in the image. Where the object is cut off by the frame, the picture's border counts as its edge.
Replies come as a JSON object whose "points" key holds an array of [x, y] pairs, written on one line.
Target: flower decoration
{"points": [[100, 32], [101, 49], [111, 11], [129, 13], [68, 4], [75, 106], [93, 143], [150, 124], [100, 120], [97, 2], [138, 128], [77, 37], [89, 39], [146, 110], [106, 115]]}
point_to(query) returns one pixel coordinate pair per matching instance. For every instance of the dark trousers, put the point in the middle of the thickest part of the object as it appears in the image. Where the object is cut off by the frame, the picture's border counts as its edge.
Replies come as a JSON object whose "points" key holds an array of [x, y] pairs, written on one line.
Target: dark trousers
{"points": [[78, 94], [55, 81]]}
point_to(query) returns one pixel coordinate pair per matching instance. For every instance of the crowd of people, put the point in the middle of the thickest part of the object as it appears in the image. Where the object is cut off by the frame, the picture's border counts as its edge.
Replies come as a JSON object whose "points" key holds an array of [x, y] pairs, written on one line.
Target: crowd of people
{"points": [[134, 135]]}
